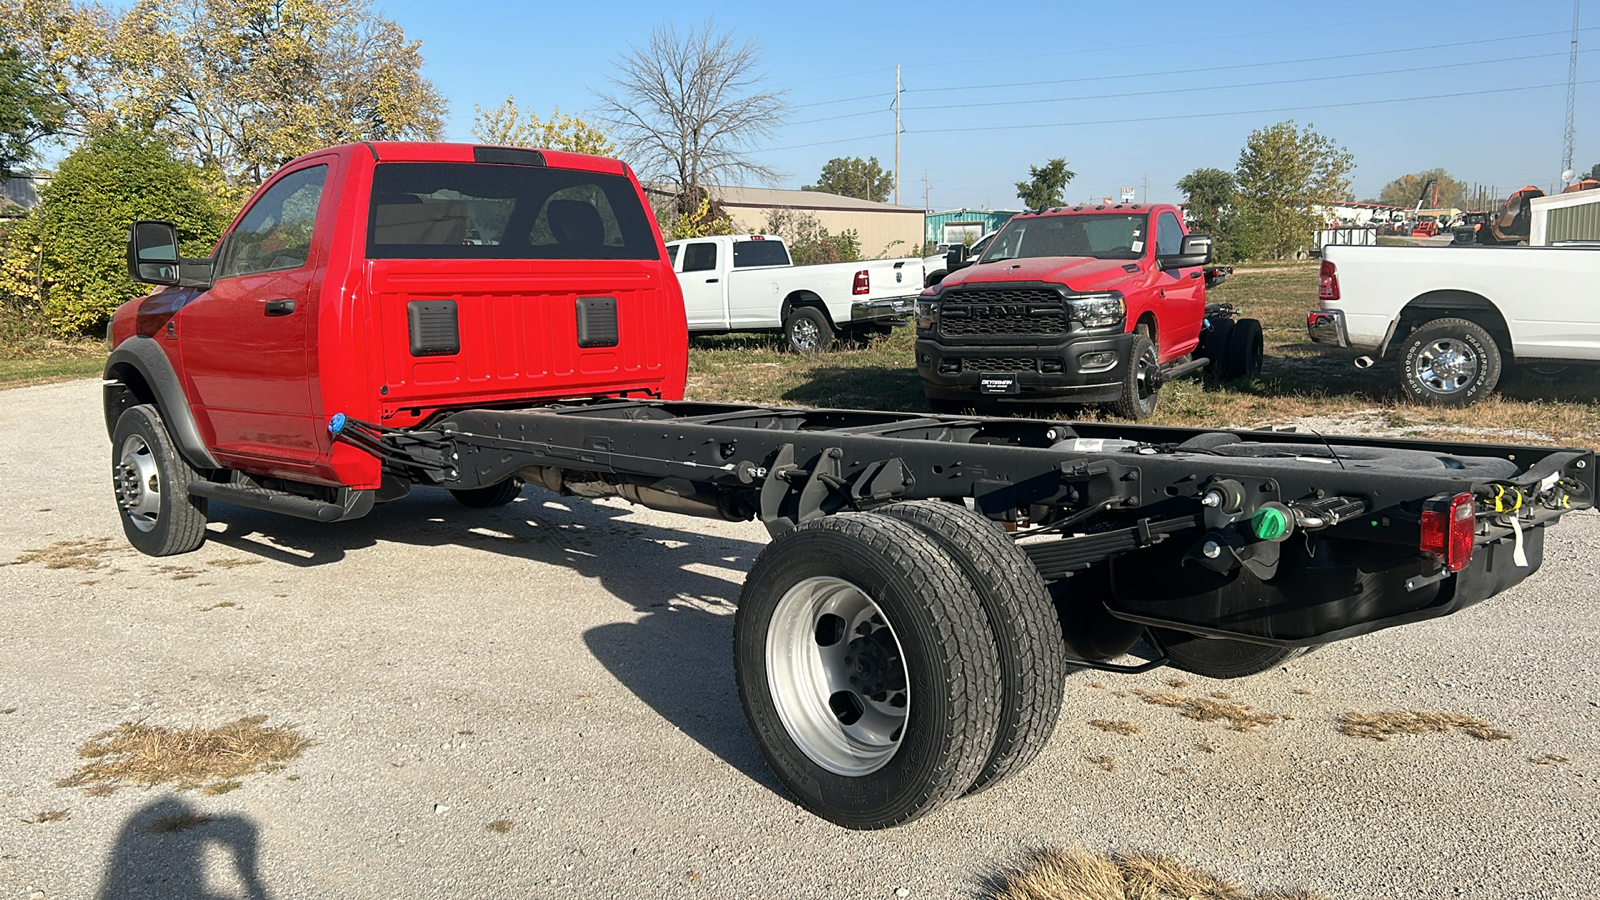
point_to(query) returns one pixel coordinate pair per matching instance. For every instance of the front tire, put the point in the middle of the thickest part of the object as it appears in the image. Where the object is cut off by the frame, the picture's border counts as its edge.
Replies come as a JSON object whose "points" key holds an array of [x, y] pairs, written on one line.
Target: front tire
{"points": [[1139, 390], [1022, 618], [151, 482], [1450, 362], [866, 669], [807, 330]]}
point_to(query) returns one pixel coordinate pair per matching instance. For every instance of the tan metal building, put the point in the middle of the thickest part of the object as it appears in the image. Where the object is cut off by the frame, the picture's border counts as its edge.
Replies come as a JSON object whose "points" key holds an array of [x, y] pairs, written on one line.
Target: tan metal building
{"points": [[882, 229]]}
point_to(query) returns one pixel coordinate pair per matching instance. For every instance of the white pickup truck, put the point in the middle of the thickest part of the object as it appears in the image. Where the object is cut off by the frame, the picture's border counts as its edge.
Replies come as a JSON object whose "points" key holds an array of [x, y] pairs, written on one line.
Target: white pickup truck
{"points": [[1456, 317], [746, 282]]}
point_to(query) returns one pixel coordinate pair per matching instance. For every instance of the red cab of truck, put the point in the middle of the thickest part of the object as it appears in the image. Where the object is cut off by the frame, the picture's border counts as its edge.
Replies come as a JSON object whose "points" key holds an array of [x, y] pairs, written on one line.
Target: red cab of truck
{"points": [[390, 281], [1074, 304]]}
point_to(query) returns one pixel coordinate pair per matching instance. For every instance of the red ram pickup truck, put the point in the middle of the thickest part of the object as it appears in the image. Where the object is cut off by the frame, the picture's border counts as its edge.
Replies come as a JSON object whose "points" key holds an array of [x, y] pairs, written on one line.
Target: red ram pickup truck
{"points": [[1079, 305], [384, 316]]}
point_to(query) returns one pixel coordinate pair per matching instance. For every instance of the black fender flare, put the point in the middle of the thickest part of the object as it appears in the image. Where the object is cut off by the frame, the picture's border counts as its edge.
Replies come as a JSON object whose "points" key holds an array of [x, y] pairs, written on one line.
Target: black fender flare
{"points": [[139, 357]]}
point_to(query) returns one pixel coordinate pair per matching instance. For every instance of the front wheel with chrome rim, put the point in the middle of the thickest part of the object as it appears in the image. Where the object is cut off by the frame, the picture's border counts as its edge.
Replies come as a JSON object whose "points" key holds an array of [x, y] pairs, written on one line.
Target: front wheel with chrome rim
{"points": [[1450, 362], [867, 670], [151, 482]]}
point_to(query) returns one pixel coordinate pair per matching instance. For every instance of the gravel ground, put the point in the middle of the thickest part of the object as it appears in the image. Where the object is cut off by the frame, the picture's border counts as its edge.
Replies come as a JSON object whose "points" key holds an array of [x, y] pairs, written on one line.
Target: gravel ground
{"points": [[565, 665]]}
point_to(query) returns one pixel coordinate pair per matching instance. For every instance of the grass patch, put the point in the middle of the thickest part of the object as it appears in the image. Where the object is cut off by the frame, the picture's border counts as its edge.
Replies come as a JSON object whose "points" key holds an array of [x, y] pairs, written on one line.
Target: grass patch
{"points": [[500, 826], [68, 555], [1301, 383], [54, 815], [31, 354], [1116, 727], [152, 754], [178, 822], [1081, 875], [1384, 725], [1204, 709]]}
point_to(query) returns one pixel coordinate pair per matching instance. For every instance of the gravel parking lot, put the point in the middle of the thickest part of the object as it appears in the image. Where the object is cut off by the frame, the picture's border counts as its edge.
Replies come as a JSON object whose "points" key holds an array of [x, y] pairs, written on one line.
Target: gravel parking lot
{"points": [[565, 666]]}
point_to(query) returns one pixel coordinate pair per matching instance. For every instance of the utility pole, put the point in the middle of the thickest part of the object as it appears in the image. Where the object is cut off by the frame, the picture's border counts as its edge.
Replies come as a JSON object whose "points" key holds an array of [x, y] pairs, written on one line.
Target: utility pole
{"points": [[896, 132], [925, 206], [1572, 96], [1144, 196]]}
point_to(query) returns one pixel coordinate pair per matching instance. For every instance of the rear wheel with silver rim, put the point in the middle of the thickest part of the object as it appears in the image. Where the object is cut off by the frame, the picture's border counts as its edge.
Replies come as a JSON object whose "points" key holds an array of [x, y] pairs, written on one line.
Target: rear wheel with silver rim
{"points": [[807, 330], [1450, 362], [151, 482], [867, 670]]}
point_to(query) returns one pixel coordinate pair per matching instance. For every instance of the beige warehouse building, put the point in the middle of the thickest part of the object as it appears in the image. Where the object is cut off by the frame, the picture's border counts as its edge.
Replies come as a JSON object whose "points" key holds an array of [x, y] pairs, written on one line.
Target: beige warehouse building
{"points": [[882, 229]]}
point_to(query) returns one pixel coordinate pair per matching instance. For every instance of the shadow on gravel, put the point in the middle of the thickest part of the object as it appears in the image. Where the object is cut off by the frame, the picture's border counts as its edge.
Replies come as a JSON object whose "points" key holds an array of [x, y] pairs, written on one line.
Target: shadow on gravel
{"points": [[160, 854], [678, 656]]}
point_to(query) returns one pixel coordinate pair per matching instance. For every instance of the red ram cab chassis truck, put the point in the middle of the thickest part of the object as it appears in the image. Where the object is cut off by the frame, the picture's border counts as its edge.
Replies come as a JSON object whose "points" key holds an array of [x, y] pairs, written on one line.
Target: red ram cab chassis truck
{"points": [[384, 316], [1076, 305]]}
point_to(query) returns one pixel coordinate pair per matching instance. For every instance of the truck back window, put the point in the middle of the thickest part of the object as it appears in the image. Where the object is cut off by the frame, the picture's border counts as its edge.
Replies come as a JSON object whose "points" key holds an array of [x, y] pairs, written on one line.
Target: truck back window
{"points": [[484, 211], [750, 254], [1118, 236]]}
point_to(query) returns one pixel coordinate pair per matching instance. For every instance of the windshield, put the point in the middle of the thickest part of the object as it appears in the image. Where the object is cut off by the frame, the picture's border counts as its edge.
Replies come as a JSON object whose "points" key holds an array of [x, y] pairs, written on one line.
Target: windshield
{"points": [[1117, 236]]}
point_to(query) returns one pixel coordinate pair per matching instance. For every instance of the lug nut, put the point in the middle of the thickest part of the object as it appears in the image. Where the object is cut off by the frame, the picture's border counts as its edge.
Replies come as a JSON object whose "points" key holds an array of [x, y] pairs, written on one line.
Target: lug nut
{"points": [[1212, 498], [1211, 549]]}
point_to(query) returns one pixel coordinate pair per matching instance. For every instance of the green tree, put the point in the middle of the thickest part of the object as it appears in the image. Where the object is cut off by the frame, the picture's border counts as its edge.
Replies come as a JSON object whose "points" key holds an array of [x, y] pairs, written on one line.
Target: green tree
{"points": [[1594, 172], [29, 112], [1046, 185], [237, 86], [809, 241], [1403, 191], [508, 125], [68, 256], [688, 110], [1284, 173], [852, 176], [1213, 208], [705, 219]]}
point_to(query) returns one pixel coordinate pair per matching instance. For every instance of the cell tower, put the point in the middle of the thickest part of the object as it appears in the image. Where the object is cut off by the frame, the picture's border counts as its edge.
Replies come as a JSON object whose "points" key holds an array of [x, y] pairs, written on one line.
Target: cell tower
{"points": [[1572, 98]]}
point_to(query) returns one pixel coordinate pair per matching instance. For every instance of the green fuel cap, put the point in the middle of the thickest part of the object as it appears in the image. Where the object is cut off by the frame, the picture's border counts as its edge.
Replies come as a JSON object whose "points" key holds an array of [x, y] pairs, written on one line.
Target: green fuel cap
{"points": [[1269, 523]]}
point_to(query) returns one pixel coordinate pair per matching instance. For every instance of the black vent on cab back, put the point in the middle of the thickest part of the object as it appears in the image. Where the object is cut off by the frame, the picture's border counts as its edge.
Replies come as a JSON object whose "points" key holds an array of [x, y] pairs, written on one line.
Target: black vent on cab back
{"points": [[434, 331], [597, 321]]}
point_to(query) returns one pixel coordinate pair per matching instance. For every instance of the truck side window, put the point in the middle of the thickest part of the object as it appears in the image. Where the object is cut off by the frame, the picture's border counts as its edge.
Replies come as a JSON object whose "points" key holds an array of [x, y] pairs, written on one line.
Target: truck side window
{"points": [[672, 254], [1169, 237], [749, 254], [699, 257], [275, 234]]}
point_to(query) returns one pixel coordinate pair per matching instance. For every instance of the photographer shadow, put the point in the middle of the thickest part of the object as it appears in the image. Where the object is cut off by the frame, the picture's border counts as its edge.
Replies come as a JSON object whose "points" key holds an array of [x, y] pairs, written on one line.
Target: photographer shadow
{"points": [[160, 854]]}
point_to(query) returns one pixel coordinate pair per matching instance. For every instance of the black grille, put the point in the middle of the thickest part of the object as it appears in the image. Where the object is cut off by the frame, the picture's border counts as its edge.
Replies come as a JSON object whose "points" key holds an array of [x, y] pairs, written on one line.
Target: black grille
{"points": [[999, 312], [999, 364]]}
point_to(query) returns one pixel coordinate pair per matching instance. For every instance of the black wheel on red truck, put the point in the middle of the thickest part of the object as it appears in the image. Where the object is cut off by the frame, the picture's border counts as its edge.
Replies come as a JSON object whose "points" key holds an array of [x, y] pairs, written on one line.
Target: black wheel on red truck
{"points": [[1140, 380], [867, 670], [151, 482], [807, 330], [1244, 352], [491, 496], [1220, 657], [1214, 346], [1022, 616], [1450, 362]]}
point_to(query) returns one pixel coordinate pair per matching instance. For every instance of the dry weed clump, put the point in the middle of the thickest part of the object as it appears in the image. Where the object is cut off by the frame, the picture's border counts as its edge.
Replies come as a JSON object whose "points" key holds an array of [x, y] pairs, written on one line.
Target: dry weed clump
{"points": [[54, 815], [500, 826], [83, 555], [137, 753], [1204, 709], [1384, 725], [1081, 875], [1115, 727], [1549, 759], [1104, 762]]}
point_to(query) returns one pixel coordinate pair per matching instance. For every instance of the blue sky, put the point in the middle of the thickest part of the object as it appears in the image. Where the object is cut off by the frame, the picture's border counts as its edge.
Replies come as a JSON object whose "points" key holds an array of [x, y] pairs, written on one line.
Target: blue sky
{"points": [[1124, 91]]}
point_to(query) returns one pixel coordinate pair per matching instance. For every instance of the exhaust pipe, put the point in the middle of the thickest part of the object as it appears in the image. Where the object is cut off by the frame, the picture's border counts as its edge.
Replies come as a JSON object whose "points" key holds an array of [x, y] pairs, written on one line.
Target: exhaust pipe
{"points": [[667, 495], [1365, 362]]}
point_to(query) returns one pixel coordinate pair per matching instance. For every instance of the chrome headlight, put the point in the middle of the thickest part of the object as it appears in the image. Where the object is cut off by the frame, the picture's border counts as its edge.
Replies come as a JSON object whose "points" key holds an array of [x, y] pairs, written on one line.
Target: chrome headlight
{"points": [[1097, 310], [924, 313]]}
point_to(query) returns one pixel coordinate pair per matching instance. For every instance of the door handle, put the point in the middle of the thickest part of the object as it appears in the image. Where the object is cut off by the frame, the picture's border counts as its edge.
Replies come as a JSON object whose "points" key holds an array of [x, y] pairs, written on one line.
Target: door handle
{"points": [[279, 307], [711, 281], [1194, 274]]}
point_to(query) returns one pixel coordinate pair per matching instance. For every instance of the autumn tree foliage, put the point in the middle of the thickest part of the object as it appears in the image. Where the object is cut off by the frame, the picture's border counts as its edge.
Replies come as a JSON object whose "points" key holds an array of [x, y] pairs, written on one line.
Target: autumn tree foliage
{"points": [[510, 125]]}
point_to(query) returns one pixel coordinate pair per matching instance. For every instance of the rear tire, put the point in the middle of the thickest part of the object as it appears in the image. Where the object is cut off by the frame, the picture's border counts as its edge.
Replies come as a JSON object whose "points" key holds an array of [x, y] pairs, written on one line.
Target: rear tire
{"points": [[807, 330], [866, 669], [1138, 400], [151, 481], [491, 496], [1244, 350], [1214, 346], [1449, 362], [1022, 619], [1219, 657]]}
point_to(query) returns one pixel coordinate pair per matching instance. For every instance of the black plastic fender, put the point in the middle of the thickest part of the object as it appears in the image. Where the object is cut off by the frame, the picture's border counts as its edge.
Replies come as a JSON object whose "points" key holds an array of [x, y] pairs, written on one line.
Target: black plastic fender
{"points": [[140, 356]]}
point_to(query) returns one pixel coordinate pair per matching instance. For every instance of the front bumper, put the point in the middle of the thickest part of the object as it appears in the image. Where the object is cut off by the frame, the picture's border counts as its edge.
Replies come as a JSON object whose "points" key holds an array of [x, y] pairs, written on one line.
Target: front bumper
{"points": [[1074, 370], [894, 310], [1326, 326]]}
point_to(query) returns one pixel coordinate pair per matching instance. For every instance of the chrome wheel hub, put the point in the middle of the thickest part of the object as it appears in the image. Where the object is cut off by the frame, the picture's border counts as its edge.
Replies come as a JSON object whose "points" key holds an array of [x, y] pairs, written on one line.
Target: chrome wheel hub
{"points": [[137, 482], [1446, 366], [806, 335]]}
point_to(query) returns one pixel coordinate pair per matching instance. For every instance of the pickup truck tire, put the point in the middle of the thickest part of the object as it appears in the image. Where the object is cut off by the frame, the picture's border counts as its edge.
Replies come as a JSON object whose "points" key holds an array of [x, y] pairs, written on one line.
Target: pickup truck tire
{"points": [[151, 482], [1022, 616], [1449, 362], [857, 603], [807, 330], [491, 496], [1220, 657], [1138, 400], [1244, 350]]}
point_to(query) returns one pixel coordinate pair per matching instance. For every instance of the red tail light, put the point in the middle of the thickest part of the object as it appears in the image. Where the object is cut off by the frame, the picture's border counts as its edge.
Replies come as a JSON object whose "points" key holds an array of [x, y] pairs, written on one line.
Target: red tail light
{"points": [[1329, 288], [860, 286], [1448, 524]]}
